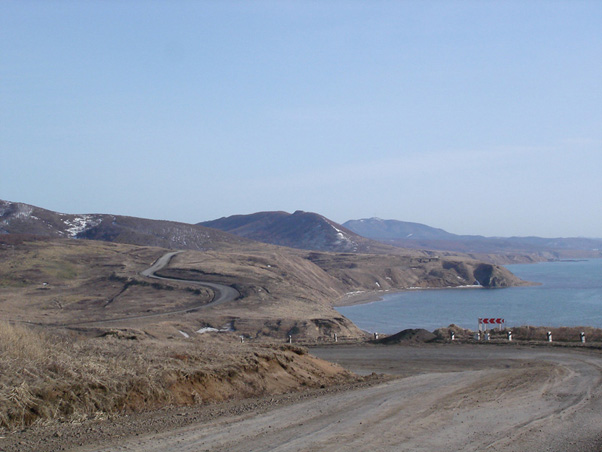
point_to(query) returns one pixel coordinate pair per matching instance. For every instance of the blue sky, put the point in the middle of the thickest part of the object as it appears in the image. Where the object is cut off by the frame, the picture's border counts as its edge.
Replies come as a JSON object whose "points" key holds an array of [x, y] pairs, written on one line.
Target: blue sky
{"points": [[478, 117]]}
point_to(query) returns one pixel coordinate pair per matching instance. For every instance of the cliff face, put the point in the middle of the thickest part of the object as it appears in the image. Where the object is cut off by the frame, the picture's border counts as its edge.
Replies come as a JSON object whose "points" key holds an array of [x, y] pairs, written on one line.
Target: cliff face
{"points": [[492, 276], [374, 273]]}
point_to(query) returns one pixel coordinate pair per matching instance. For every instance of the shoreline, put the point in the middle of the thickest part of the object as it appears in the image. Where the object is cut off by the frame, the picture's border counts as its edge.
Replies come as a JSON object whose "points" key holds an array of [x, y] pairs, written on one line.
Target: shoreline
{"points": [[365, 297], [361, 297], [370, 296]]}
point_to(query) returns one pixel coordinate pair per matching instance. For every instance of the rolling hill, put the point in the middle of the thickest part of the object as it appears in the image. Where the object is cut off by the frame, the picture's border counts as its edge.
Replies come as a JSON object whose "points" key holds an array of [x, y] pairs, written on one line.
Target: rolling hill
{"points": [[19, 218], [70, 269], [301, 230], [419, 236]]}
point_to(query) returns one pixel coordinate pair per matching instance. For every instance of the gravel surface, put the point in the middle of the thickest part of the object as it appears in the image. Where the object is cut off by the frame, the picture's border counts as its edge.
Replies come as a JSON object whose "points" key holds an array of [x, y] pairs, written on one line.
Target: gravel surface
{"points": [[441, 397]]}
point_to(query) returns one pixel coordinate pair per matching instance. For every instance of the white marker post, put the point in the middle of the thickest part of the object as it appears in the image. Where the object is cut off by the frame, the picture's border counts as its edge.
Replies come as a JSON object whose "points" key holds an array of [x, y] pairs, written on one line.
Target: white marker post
{"points": [[290, 339], [452, 335], [335, 337], [375, 336], [509, 336], [582, 337], [549, 336]]}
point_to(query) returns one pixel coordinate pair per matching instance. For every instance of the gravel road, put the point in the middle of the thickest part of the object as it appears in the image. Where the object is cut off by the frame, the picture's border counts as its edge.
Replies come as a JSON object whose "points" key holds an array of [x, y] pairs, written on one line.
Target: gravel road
{"points": [[223, 293], [449, 397]]}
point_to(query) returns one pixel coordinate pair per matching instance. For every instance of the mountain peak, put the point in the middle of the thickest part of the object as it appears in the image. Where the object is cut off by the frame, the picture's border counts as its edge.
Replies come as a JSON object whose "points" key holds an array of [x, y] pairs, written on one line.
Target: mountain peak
{"points": [[303, 230]]}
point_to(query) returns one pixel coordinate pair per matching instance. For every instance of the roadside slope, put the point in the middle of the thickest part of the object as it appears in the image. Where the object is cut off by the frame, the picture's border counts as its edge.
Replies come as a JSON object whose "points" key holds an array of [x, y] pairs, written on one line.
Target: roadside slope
{"points": [[480, 398]]}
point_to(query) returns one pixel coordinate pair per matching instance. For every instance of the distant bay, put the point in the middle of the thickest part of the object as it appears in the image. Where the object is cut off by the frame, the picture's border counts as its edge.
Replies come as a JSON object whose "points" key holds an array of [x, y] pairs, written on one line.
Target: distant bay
{"points": [[570, 294]]}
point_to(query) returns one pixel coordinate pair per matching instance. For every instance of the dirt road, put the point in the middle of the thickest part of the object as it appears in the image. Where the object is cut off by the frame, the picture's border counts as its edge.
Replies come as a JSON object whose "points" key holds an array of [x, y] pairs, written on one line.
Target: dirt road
{"points": [[470, 398], [223, 293]]}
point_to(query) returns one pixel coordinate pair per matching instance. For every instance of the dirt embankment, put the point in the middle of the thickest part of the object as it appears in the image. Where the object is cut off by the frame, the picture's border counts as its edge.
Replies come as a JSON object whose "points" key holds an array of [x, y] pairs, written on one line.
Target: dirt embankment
{"points": [[445, 397], [63, 377]]}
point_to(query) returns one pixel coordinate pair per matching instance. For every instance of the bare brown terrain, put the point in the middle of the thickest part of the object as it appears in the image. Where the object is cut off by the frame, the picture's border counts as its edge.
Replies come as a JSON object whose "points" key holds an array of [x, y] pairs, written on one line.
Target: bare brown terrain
{"points": [[456, 397], [92, 284], [48, 377], [100, 355]]}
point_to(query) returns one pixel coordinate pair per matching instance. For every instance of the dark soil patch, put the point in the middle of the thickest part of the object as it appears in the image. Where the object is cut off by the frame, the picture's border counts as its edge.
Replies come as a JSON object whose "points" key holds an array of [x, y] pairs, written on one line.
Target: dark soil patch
{"points": [[410, 335]]}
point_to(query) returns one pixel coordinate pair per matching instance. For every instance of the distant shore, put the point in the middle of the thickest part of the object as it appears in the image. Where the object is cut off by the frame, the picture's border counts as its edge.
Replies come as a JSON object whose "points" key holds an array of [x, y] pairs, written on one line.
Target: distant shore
{"points": [[361, 297], [364, 297]]}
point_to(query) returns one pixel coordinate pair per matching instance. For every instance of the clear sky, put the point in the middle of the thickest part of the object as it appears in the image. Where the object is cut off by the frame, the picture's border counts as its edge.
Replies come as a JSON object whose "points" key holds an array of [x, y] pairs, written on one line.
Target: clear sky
{"points": [[478, 117]]}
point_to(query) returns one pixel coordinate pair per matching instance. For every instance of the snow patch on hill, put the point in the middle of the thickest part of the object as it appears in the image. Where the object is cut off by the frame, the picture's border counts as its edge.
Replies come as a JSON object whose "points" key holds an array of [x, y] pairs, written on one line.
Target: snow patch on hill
{"points": [[78, 224], [342, 238], [23, 211]]}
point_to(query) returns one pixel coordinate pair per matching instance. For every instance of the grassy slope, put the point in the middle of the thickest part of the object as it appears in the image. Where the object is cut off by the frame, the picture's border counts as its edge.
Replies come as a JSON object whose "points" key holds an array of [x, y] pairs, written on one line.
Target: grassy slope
{"points": [[285, 291], [70, 281], [63, 377]]}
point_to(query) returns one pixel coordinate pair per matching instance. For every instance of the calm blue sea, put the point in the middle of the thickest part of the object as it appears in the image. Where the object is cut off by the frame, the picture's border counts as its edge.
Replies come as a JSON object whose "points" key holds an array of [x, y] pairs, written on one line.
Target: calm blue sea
{"points": [[570, 295]]}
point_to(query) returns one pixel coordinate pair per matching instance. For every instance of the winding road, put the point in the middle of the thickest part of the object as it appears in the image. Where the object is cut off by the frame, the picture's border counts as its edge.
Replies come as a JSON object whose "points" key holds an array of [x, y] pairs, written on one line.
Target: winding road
{"points": [[223, 294]]}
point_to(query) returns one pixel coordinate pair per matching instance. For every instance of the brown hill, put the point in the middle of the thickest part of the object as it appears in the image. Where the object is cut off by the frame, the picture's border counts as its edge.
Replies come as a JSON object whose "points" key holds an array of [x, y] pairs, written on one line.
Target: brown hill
{"points": [[302, 230], [94, 284], [19, 218], [284, 290], [87, 283]]}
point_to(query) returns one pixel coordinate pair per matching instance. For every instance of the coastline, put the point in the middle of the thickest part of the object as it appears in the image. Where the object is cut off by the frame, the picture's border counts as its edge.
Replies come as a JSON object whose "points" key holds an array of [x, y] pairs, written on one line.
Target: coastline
{"points": [[362, 297], [365, 297]]}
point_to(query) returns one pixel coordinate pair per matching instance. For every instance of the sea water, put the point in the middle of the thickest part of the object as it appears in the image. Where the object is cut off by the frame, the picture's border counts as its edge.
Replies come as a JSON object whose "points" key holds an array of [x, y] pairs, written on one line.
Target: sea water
{"points": [[570, 294]]}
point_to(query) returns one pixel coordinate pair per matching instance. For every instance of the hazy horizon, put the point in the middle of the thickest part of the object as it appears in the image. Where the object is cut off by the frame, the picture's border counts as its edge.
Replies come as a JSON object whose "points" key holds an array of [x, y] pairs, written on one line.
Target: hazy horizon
{"points": [[481, 118]]}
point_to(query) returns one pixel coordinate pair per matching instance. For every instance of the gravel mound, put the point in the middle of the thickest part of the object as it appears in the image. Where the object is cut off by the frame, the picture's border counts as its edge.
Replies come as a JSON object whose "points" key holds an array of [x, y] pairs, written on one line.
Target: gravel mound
{"points": [[410, 335]]}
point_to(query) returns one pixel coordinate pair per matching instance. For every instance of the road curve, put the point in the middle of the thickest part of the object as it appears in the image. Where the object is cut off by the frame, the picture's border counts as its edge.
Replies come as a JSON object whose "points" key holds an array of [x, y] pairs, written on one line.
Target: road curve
{"points": [[223, 294], [536, 400]]}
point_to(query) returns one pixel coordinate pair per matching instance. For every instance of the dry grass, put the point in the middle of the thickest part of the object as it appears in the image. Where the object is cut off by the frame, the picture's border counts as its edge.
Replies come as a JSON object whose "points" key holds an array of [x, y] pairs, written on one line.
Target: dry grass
{"points": [[67, 378], [70, 281], [19, 343], [559, 334]]}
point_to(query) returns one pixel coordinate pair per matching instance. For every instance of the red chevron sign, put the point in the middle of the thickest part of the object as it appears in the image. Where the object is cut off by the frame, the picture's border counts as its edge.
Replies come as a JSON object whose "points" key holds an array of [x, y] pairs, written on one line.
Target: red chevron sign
{"points": [[492, 321]]}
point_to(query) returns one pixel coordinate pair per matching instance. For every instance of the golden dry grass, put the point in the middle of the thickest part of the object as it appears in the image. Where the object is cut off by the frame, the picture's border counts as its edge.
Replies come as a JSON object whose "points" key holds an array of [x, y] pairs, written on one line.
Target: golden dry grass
{"points": [[559, 334], [67, 378]]}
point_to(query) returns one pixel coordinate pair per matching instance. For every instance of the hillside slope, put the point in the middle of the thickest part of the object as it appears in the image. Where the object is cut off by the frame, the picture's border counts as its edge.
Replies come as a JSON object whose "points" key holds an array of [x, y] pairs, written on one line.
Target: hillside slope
{"points": [[54, 279], [19, 218], [95, 284], [301, 230]]}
